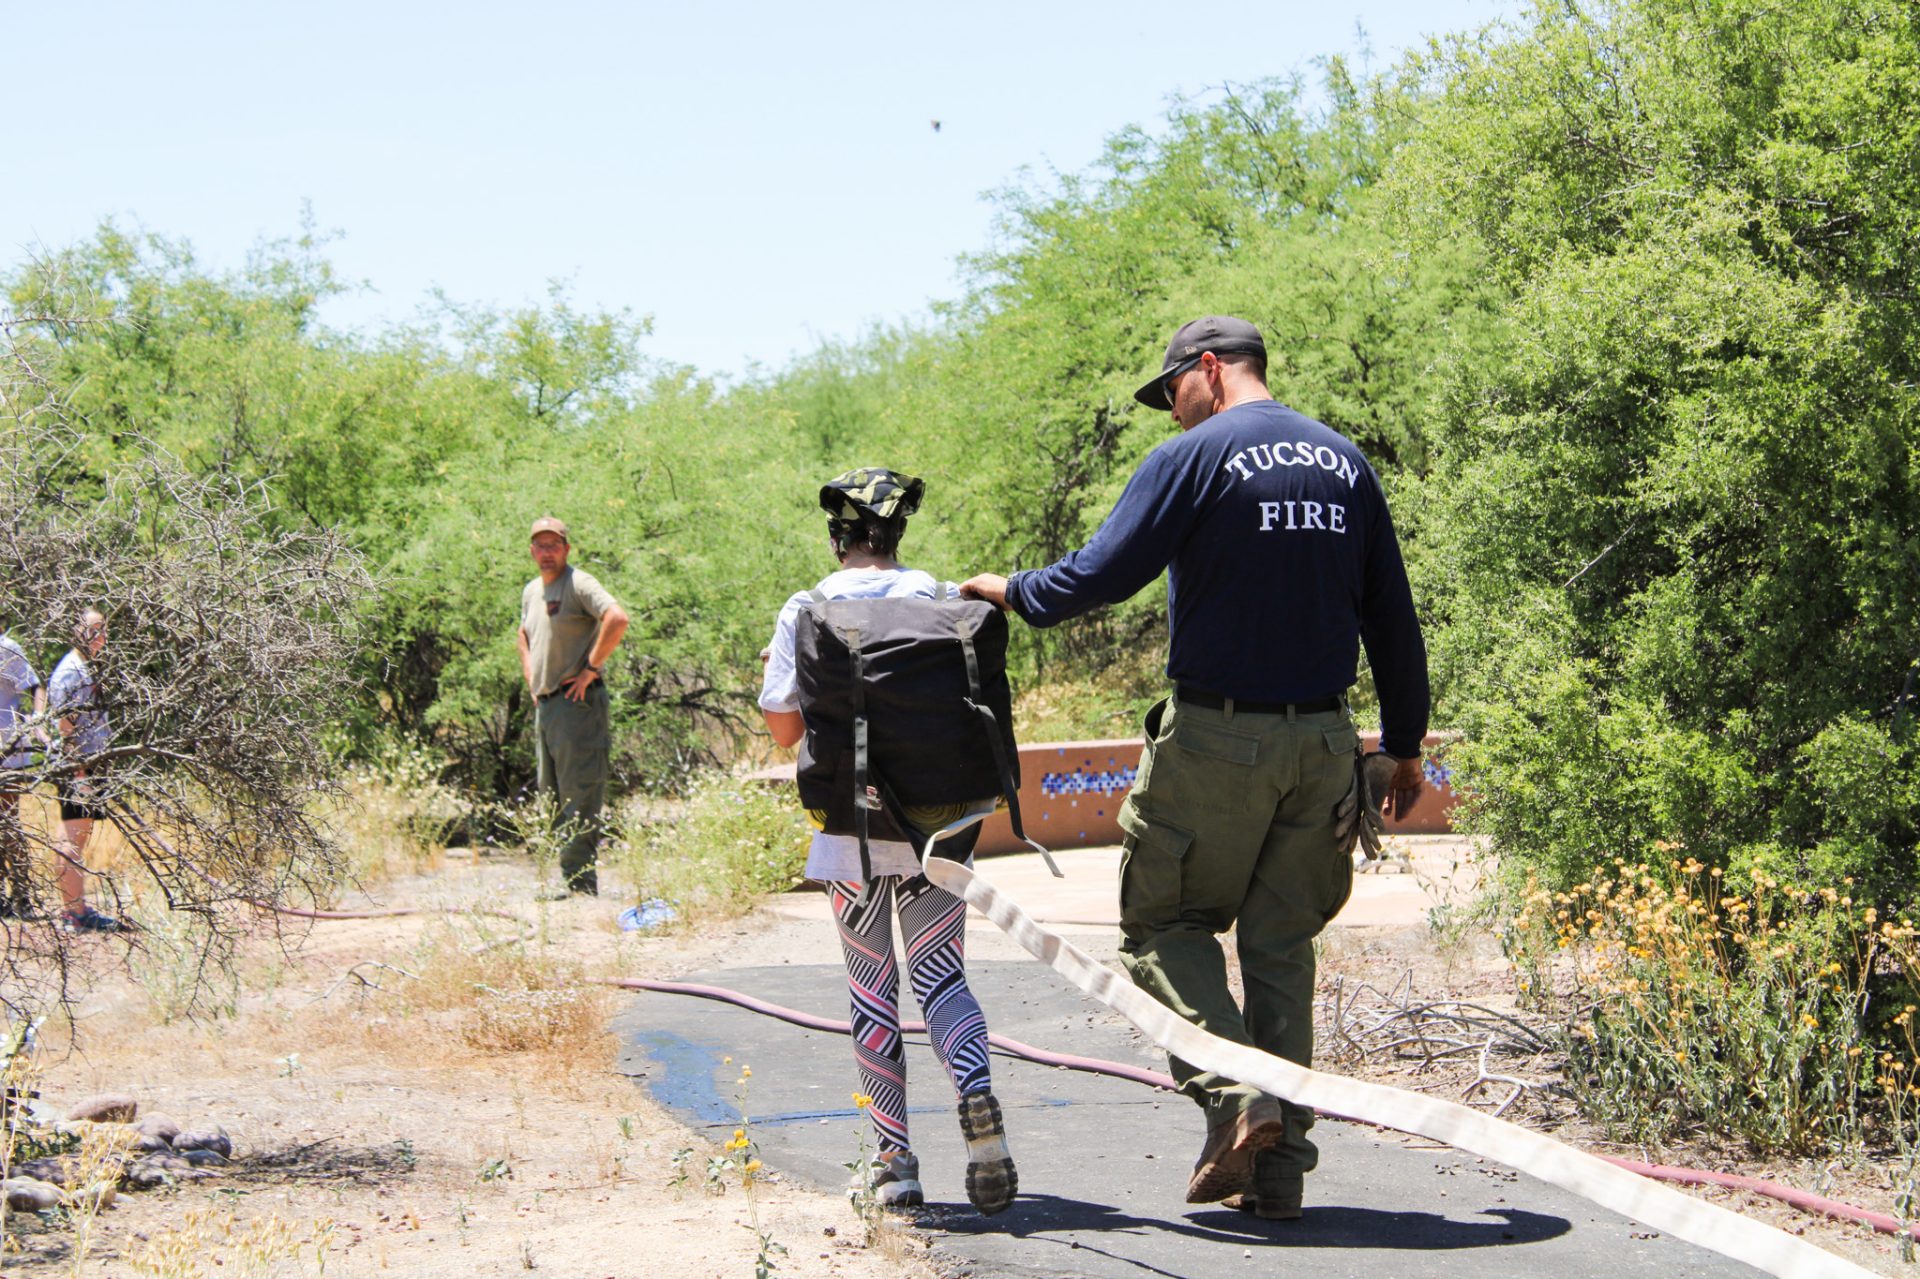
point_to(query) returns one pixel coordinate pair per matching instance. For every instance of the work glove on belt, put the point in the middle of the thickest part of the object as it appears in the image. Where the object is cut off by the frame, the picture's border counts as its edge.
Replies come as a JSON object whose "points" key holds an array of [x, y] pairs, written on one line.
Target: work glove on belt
{"points": [[1356, 818]]}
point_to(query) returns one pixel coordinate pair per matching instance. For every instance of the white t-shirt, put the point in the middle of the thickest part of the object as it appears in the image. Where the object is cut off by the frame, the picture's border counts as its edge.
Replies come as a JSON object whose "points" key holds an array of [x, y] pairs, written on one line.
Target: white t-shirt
{"points": [[17, 682], [837, 857]]}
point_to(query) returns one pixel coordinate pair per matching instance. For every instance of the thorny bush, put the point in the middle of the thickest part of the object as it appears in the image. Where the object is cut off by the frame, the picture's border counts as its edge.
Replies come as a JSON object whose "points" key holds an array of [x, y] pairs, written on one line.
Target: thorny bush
{"points": [[227, 642]]}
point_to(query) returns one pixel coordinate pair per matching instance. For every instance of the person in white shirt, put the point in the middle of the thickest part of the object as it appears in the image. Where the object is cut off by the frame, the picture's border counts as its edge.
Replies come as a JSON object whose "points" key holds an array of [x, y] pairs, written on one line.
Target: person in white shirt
{"points": [[74, 701], [868, 512], [23, 700]]}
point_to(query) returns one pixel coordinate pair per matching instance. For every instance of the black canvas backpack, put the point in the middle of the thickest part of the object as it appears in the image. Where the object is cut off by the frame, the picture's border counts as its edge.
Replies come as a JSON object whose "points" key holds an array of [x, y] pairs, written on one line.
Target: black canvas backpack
{"points": [[906, 704]]}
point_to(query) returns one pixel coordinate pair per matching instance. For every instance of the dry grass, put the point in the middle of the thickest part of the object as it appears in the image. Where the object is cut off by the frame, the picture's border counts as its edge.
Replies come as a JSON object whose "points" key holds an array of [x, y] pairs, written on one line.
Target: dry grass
{"points": [[430, 1095], [389, 827], [512, 999], [395, 816], [730, 845], [107, 853], [407, 1104], [212, 1242], [1110, 703]]}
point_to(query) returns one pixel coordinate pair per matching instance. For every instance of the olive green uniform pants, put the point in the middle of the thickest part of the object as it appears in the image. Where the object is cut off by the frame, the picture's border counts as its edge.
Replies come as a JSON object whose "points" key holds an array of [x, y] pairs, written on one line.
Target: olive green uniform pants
{"points": [[573, 740], [1230, 825]]}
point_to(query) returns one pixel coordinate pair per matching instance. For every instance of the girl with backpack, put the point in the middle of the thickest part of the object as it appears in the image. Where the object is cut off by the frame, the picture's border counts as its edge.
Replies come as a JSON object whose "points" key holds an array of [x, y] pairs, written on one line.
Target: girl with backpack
{"points": [[867, 513]]}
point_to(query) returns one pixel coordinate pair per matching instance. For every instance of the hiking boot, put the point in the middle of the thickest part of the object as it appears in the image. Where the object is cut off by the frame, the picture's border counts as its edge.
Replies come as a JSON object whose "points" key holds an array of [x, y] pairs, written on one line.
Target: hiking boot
{"points": [[561, 892], [1226, 1162], [992, 1181], [91, 921], [1276, 1191], [895, 1178]]}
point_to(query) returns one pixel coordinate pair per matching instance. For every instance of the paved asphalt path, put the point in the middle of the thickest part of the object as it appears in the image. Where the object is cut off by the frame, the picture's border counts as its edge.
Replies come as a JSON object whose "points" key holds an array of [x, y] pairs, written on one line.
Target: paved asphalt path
{"points": [[1104, 1163]]}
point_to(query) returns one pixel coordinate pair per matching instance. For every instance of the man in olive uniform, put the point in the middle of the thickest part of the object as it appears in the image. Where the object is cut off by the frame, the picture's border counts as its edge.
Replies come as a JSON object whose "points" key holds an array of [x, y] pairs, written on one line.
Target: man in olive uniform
{"points": [[569, 626], [1281, 561]]}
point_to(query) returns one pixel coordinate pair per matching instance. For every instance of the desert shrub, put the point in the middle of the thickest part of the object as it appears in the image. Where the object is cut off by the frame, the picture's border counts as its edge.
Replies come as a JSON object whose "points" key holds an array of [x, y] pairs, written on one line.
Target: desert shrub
{"points": [[182, 970], [228, 633], [537, 1019], [1777, 1017], [396, 814], [514, 998], [1668, 539], [716, 854]]}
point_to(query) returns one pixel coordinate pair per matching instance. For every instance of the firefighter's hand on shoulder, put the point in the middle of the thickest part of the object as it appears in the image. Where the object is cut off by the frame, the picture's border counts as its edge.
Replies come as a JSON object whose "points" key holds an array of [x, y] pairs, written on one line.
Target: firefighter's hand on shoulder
{"points": [[990, 587]]}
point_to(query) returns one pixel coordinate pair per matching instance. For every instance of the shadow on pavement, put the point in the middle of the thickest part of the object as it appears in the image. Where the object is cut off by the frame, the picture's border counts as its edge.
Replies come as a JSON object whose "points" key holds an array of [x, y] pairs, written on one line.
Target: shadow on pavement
{"points": [[1335, 1227], [1321, 1227]]}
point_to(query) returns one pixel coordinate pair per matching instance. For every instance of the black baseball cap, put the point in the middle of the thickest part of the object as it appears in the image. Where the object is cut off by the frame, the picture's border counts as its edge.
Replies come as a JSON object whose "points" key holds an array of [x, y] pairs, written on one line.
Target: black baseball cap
{"points": [[1220, 334]]}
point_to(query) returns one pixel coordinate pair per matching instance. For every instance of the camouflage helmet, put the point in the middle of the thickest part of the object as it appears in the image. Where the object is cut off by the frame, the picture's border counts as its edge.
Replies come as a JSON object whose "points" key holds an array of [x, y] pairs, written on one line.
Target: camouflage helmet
{"points": [[872, 490]]}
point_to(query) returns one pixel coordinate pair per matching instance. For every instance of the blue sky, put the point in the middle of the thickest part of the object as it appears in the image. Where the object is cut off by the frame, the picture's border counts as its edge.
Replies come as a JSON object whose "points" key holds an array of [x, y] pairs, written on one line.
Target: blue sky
{"points": [[756, 177]]}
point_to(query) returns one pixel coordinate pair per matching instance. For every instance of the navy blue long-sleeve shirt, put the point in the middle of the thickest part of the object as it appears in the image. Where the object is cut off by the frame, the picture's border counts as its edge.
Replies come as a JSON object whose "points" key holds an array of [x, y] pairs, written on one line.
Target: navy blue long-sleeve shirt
{"points": [[1283, 560]]}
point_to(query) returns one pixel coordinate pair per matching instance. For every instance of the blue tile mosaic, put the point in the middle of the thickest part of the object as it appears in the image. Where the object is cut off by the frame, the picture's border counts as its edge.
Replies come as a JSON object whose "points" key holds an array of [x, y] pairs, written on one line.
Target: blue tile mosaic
{"points": [[1081, 781]]}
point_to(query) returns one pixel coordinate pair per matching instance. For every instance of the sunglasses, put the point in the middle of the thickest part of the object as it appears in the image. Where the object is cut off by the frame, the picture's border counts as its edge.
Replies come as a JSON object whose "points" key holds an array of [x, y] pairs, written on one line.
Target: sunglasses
{"points": [[1168, 378]]}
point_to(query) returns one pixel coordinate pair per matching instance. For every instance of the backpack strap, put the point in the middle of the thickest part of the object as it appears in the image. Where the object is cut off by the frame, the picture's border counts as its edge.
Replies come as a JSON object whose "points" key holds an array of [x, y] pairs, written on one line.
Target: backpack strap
{"points": [[865, 797], [1008, 786]]}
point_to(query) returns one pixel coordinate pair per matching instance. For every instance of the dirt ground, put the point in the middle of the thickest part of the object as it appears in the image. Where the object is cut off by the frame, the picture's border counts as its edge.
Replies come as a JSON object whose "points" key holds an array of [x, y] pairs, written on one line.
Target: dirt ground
{"points": [[378, 1123], [367, 1126]]}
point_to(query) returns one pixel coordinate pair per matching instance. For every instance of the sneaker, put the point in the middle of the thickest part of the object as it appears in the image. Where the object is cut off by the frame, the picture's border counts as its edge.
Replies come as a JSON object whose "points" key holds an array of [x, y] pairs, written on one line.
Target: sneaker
{"points": [[895, 1178], [992, 1181], [91, 921], [1276, 1192], [1225, 1167]]}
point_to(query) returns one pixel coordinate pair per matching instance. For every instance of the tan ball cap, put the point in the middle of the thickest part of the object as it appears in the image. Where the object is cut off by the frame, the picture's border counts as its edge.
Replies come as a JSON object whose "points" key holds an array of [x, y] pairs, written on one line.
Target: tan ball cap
{"points": [[548, 524]]}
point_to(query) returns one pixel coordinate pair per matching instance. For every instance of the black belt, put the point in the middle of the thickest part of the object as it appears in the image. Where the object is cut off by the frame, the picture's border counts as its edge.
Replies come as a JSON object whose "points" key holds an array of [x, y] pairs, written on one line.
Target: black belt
{"points": [[1214, 701]]}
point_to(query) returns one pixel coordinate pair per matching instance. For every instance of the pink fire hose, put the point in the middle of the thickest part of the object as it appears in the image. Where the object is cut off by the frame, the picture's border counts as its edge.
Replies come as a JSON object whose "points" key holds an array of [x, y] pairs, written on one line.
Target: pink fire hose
{"points": [[1802, 1200]]}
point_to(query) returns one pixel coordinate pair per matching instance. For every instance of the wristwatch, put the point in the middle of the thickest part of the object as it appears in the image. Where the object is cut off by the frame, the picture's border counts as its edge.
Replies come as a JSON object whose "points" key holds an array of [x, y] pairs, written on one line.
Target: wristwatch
{"points": [[595, 669]]}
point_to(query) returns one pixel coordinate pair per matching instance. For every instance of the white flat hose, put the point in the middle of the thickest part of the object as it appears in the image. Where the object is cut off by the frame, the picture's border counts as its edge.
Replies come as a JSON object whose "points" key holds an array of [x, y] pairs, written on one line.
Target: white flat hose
{"points": [[1729, 1233]]}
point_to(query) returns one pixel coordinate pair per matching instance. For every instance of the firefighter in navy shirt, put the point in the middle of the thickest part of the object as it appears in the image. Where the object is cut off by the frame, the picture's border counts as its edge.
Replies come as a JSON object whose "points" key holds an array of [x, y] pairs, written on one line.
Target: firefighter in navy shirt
{"points": [[1282, 562]]}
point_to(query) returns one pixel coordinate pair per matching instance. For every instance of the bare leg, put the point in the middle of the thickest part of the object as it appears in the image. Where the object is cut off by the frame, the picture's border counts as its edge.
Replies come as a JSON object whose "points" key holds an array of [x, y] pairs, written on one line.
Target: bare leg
{"points": [[75, 833], [14, 866]]}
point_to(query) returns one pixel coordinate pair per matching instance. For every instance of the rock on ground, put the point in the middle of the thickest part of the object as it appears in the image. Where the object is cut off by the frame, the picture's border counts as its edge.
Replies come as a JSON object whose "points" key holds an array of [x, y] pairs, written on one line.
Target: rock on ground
{"points": [[214, 1139], [28, 1194], [105, 1108], [158, 1170], [55, 1170]]}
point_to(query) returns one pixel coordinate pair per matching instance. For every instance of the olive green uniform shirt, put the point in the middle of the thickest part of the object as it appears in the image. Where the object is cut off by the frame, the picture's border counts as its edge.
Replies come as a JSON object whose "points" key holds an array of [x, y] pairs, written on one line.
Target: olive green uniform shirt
{"points": [[560, 620]]}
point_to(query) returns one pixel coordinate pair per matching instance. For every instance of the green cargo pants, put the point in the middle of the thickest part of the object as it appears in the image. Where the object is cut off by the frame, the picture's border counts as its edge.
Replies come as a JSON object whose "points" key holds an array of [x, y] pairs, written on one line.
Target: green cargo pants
{"points": [[1230, 825], [573, 740]]}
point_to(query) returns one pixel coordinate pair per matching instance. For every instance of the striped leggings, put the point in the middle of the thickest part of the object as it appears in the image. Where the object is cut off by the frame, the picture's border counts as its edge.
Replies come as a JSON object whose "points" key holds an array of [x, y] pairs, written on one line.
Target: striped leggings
{"points": [[934, 925]]}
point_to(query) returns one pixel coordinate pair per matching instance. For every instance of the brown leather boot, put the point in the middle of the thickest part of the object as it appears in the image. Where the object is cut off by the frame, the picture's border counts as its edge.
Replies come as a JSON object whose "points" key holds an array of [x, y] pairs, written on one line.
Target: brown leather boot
{"points": [[1276, 1191], [1226, 1161]]}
